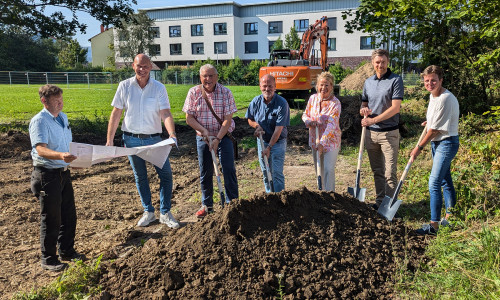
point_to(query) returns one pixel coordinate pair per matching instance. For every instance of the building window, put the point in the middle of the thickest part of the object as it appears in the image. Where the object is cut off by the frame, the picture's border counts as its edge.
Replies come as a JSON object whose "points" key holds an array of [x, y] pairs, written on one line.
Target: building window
{"points": [[175, 49], [276, 27], [220, 47], [174, 31], [155, 50], [301, 25], [332, 23], [197, 30], [197, 48], [251, 28], [271, 43], [155, 32], [251, 47], [332, 44], [367, 43], [220, 28]]}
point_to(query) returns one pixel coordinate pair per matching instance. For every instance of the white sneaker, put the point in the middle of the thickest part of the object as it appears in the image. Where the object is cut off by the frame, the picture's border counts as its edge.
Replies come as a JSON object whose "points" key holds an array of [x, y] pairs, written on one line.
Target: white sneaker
{"points": [[147, 217], [169, 220]]}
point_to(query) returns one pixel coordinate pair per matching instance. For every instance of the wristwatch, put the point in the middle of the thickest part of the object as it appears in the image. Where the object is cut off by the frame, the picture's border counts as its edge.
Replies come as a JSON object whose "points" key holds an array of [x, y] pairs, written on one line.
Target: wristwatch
{"points": [[420, 147]]}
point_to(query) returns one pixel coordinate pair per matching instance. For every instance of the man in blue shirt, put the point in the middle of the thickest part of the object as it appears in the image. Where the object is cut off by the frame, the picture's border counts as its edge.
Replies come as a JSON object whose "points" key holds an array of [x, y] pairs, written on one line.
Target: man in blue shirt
{"points": [[269, 114], [381, 102], [50, 136]]}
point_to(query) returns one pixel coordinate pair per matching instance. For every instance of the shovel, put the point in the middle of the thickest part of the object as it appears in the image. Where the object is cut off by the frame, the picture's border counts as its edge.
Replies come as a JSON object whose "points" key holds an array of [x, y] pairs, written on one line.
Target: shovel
{"points": [[318, 161], [219, 182], [356, 191], [389, 205], [266, 164]]}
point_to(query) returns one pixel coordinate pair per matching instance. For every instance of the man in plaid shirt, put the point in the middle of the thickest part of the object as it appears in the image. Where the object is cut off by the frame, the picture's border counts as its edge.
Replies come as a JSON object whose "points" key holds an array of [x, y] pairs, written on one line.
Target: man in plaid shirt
{"points": [[210, 135]]}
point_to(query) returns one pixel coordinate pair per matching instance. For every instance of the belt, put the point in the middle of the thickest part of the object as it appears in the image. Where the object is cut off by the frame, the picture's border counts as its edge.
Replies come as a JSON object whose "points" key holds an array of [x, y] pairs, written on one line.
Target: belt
{"points": [[140, 135], [43, 169]]}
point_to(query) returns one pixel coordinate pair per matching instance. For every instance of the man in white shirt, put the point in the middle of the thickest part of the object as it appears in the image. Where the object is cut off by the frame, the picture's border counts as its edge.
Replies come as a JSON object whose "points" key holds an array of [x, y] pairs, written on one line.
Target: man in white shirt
{"points": [[146, 106]]}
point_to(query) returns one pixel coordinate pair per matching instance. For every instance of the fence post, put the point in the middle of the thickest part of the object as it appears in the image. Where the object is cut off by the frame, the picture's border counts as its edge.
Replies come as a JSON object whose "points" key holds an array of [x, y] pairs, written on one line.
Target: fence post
{"points": [[88, 80], [175, 77], [10, 79], [46, 78], [28, 78], [67, 79]]}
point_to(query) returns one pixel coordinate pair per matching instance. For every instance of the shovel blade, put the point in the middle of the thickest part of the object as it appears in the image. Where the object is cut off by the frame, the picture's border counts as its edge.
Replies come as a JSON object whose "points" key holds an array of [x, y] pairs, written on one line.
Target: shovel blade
{"points": [[387, 210], [358, 193]]}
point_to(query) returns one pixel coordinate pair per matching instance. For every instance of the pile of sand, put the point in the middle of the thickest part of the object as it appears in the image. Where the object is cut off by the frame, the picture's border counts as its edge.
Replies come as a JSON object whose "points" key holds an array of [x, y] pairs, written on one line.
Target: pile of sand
{"points": [[356, 80]]}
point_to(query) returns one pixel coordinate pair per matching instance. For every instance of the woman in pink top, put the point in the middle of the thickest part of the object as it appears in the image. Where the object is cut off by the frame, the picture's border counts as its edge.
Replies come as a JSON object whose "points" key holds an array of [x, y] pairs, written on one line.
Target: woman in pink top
{"points": [[323, 111]]}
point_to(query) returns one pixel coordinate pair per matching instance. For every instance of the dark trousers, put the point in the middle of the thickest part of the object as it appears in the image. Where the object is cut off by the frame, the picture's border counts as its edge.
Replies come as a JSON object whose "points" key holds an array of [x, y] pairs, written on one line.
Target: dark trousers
{"points": [[57, 212], [226, 157]]}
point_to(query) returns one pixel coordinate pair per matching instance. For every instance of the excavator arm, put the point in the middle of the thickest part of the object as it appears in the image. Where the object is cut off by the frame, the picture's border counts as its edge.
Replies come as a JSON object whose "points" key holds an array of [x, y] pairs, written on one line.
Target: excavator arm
{"points": [[319, 30]]}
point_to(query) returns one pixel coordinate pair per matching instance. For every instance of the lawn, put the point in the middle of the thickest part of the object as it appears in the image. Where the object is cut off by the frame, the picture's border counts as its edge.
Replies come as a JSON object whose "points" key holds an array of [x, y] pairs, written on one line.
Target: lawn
{"points": [[20, 102]]}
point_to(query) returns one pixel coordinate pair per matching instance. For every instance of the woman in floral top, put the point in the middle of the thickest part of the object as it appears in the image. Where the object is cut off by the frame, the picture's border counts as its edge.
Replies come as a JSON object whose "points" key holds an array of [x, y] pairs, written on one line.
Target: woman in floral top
{"points": [[323, 110]]}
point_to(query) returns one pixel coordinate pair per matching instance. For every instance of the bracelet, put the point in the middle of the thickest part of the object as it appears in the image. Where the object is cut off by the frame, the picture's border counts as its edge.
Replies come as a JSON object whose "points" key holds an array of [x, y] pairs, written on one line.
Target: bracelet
{"points": [[270, 147], [420, 147], [217, 139], [173, 133]]}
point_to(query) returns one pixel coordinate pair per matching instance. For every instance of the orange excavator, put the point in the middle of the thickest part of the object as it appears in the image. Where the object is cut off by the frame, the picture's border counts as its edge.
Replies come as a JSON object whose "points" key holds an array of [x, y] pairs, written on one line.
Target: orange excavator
{"points": [[296, 71]]}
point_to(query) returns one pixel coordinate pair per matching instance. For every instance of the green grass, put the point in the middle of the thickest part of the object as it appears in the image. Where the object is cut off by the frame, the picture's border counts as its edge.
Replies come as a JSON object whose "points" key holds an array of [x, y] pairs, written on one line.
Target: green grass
{"points": [[79, 281], [21, 103]]}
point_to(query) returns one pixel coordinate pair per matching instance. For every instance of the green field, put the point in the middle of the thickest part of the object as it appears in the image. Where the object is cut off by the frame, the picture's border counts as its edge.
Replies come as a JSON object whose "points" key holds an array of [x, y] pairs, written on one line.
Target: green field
{"points": [[20, 103]]}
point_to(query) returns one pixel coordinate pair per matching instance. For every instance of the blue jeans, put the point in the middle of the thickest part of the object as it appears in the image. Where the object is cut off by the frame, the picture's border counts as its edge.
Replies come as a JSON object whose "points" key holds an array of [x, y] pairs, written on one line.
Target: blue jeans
{"points": [[276, 161], [141, 175], [443, 153], [226, 158]]}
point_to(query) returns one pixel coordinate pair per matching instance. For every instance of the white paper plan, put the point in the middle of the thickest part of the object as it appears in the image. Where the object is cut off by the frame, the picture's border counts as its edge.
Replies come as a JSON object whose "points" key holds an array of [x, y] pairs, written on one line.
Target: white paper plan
{"points": [[88, 155]]}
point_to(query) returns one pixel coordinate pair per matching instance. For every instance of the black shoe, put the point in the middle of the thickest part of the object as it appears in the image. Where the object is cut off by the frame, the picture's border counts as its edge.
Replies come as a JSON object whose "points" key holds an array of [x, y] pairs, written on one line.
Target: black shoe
{"points": [[54, 267], [375, 206], [73, 256], [427, 229]]}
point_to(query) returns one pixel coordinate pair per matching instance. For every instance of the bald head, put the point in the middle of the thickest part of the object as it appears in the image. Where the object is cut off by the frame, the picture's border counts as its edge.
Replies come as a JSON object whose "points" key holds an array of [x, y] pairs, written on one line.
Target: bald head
{"points": [[142, 66], [268, 77]]}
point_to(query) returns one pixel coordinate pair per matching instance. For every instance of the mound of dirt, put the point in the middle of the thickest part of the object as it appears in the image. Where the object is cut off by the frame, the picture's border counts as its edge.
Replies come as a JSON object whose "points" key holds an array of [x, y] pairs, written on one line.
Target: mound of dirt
{"points": [[356, 80], [14, 144], [301, 244]]}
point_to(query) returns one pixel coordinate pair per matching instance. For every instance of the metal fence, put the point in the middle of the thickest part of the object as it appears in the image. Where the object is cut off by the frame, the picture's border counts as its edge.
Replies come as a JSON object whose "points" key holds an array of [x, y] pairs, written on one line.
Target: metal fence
{"points": [[411, 79]]}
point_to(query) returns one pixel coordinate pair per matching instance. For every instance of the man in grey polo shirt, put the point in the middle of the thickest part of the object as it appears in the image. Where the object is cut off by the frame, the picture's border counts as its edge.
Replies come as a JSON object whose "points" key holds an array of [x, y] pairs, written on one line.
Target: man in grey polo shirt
{"points": [[381, 102], [50, 136]]}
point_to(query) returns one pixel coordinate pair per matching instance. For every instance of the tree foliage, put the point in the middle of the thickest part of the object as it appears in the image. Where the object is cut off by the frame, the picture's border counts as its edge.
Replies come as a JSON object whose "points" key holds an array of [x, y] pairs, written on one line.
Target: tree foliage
{"points": [[135, 37], [23, 52], [462, 36], [292, 40], [278, 45], [71, 54], [33, 18]]}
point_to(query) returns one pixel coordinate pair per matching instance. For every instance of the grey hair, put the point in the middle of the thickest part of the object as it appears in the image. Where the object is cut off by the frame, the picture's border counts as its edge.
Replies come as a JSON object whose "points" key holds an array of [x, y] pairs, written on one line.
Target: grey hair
{"points": [[208, 67]]}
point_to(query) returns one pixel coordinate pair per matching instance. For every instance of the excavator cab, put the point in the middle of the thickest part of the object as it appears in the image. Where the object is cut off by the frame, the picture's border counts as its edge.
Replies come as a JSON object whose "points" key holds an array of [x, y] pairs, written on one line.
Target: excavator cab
{"points": [[286, 57]]}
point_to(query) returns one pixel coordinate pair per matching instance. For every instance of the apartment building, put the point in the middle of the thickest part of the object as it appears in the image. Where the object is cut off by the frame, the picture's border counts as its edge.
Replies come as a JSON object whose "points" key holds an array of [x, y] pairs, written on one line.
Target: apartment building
{"points": [[224, 30]]}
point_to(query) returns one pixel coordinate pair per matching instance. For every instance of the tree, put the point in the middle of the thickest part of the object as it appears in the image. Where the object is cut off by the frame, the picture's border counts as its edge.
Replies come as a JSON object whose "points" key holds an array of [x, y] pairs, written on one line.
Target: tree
{"points": [[32, 17], [292, 40], [278, 45], [253, 68], [23, 52], [462, 36], [135, 37], [71, 54]]}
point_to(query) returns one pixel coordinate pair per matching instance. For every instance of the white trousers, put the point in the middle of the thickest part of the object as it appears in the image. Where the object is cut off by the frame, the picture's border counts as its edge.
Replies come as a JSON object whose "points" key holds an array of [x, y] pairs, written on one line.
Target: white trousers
{"points": [[328, 161]]}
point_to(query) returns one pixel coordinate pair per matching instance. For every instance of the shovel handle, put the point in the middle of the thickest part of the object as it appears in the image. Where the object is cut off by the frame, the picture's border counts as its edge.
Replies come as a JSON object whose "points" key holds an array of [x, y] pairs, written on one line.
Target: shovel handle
{"points": [[217, 175], [266, 163], [318, 161], [361, 145]]}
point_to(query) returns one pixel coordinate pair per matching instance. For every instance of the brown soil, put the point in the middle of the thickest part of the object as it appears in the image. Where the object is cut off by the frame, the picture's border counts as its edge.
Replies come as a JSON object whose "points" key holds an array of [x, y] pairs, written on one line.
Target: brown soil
{"points": [[356, 80], [324, 245]]}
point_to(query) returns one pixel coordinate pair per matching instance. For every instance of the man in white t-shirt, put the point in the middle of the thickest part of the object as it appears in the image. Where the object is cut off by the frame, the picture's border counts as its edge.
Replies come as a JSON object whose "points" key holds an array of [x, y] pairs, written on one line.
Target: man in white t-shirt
{"points": [[146, 106]]}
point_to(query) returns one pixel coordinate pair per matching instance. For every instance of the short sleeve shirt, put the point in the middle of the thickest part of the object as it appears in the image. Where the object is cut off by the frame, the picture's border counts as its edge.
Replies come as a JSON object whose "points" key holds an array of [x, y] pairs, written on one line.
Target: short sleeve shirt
{"points": [[222, 102], [142, 106], [442, 114], [276, 113], [379, 93], [44, 128]]}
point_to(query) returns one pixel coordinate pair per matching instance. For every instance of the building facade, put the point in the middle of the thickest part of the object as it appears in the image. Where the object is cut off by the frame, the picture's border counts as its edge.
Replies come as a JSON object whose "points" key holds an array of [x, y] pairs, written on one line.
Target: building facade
{"points": [[226, 30], [100, 47]]}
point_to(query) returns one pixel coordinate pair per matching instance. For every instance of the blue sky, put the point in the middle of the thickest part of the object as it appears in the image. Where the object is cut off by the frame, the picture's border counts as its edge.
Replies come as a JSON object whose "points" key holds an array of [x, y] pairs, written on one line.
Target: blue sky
{"points": [[94, 26]]}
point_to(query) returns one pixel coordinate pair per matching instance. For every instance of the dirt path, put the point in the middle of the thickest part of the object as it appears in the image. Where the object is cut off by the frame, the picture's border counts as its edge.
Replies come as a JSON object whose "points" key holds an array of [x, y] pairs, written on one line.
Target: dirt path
{"points": [[108, 206]]}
